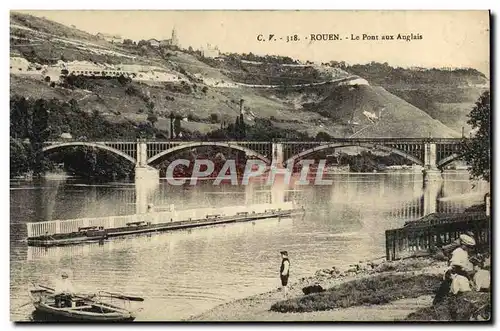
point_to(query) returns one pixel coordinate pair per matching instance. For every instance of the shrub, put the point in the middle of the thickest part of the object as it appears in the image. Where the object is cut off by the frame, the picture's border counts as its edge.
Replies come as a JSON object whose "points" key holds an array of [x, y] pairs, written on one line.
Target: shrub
{"points": [[124, 80], [150, 105], [465, 307], [214, 118], [132, 90], [372, 290]]}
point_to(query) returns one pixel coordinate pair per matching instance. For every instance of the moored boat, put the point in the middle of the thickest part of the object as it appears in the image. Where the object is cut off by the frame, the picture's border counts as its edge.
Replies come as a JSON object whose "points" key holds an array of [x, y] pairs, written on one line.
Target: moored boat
{"points": [[83, 235], [77, 308]]}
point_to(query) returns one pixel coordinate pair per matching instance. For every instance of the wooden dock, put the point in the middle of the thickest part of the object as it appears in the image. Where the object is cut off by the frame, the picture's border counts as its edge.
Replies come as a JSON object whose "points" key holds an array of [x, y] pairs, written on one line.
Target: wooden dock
{"points": [[68, 232], [426, 235]]}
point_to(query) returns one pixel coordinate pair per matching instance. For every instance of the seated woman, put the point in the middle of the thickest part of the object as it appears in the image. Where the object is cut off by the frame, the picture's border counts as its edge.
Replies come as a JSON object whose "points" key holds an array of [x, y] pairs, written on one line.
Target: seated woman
{"points": [[457, 277], [63, 291]]}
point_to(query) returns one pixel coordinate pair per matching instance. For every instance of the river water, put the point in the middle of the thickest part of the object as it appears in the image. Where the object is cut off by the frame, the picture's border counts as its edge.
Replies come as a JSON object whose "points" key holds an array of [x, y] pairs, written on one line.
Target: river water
{"points": [[184, 273]]}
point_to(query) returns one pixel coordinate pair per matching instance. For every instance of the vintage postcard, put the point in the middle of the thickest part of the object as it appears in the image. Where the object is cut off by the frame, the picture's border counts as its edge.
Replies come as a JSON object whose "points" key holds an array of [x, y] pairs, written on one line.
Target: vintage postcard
{"points": [[250, 166]]}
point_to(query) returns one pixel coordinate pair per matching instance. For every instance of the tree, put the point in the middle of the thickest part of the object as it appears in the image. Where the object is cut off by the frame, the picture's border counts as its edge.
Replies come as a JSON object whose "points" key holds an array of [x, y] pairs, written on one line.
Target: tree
{"points": [[19, 157], [214, 118], [150, 105], [20, 117], [477, 150], [177, 126], [39, 133], [124, 80], [235, 130], [323, 136], [152, 118], [243, 127]]}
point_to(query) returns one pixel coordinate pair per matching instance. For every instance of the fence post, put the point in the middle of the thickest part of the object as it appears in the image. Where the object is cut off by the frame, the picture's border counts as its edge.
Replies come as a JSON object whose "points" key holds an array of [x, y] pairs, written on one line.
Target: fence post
{"points": [[487, 203], [58, 226], [387, 246]]}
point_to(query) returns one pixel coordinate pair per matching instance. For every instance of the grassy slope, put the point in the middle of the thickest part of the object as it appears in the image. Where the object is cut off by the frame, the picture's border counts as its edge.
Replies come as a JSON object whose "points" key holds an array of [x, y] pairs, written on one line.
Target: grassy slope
{"points": [[286, 109], [465, 307], [445, 96], [371, 290]]}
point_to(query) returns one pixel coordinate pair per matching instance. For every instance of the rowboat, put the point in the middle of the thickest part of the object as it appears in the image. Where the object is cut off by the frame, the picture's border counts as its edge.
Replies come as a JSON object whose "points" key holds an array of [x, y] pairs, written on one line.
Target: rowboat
{"points": [[77, 308]]}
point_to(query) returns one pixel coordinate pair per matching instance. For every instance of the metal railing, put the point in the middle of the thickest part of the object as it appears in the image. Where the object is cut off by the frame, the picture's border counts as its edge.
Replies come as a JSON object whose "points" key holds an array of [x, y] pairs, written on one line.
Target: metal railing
{"points": [[36, 229], [424, 237]]}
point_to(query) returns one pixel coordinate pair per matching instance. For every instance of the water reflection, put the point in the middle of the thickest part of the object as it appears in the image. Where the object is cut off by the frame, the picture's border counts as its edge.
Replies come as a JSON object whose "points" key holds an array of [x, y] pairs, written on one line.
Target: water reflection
{"points": [[186, 272]]}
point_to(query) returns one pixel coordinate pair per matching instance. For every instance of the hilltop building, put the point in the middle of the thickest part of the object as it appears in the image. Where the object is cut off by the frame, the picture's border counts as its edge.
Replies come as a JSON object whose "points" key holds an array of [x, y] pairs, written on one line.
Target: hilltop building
{"points": [[154, 42], [210, 52], [173, 41]]}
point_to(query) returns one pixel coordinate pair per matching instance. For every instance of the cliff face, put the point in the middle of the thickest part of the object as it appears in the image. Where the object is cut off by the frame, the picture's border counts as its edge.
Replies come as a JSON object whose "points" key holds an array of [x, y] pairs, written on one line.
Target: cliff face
{"points": [[352, 101]]}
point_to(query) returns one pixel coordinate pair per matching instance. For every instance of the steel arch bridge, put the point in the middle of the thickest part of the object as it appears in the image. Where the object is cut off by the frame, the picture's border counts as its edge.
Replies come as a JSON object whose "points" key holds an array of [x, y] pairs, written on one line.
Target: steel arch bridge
{"points": [[434, 153]]}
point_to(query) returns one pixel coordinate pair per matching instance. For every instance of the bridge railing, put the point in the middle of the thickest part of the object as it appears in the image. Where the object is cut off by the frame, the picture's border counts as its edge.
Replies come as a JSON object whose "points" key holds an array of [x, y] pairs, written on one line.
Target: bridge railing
{"points": [[277, 140], [36, 229]]}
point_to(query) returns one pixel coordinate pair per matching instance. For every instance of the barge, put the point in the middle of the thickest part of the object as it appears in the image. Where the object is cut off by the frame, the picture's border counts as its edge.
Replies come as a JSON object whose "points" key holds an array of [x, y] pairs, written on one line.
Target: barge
{"points": [[71, 232]]}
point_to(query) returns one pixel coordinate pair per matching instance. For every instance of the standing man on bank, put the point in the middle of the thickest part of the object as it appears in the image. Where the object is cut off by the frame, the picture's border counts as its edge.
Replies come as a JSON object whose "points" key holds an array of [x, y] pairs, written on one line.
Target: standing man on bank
{"points": [[284, 272]]}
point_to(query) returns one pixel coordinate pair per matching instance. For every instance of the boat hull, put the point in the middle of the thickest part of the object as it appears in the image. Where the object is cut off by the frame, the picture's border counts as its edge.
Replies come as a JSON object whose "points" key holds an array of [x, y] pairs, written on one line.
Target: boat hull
{"points": [[44, 313]]}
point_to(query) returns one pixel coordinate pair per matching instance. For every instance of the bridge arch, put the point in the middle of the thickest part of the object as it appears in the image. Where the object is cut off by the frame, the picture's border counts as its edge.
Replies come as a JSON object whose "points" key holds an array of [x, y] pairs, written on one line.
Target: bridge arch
{"points": [[248, 151], [389, 149], [445, 161], [90, 144]]}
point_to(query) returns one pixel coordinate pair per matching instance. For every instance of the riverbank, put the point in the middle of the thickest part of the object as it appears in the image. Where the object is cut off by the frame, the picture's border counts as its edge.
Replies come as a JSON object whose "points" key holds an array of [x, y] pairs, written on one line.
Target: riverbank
{"points": [[257, 308]]}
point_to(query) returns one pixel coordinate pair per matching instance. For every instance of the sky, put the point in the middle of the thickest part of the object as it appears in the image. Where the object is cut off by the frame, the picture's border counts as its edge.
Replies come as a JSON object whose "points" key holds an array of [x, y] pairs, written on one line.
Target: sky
{"points": [[449, 38]]}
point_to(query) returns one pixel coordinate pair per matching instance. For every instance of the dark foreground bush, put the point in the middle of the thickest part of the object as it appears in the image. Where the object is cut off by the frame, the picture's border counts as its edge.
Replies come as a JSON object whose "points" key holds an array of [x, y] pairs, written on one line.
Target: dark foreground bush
{"points": [[372, 290], [465, 307]]}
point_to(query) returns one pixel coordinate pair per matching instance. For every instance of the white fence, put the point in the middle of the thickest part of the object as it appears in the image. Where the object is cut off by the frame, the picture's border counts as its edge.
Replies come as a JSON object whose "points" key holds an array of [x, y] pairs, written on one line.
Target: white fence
{"points": [[67, 226]]}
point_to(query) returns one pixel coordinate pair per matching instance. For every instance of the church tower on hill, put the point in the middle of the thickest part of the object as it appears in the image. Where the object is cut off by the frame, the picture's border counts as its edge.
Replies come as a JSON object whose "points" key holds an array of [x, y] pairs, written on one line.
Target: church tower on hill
{"points": [[174, 40]]}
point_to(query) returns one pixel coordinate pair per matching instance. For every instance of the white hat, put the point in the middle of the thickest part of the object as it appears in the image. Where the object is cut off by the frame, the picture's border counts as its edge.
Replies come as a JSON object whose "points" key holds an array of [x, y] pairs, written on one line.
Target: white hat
{"points": [[467, 240]]}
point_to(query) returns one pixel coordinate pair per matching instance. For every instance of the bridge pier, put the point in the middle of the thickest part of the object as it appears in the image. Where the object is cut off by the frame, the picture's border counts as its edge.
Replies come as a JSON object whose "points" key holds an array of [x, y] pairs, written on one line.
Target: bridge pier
{"points": [[431, 172], [431, 192], [278, 158], [278, 188], [144, 172], [147, 174], [147, 179], [146, 184]]}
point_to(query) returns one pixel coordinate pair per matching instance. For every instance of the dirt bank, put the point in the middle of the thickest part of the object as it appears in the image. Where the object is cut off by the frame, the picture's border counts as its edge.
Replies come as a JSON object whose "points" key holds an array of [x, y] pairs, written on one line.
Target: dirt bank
{"points": [[257, 308]]}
